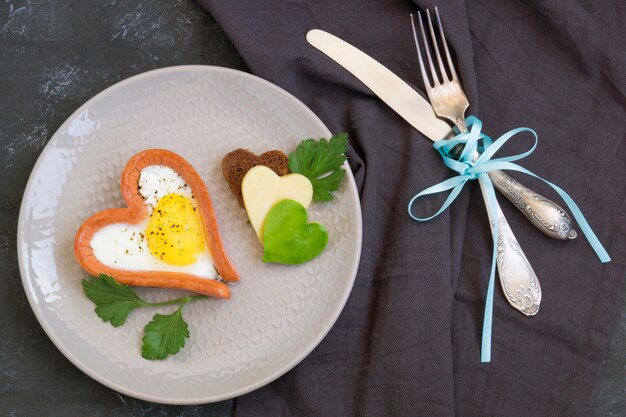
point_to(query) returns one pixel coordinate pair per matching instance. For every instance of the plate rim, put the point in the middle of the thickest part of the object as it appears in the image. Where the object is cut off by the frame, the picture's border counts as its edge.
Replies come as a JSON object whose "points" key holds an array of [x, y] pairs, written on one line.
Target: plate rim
{"points": [[26, 283]]}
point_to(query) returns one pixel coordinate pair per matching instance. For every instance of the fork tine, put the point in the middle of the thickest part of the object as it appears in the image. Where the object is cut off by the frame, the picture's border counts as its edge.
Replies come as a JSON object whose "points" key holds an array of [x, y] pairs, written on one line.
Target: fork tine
{"points": [[445, 46], [419, 55], [444, 89], [433, 73], [444, 75]]}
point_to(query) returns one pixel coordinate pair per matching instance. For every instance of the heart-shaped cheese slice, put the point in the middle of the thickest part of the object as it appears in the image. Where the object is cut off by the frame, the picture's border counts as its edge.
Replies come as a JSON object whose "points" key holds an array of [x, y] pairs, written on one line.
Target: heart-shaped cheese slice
{"points": [[262, 188]]}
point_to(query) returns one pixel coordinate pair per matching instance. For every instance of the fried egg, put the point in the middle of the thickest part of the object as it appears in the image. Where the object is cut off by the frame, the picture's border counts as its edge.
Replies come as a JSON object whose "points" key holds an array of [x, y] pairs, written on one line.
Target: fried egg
{"points": [[171, 238]]}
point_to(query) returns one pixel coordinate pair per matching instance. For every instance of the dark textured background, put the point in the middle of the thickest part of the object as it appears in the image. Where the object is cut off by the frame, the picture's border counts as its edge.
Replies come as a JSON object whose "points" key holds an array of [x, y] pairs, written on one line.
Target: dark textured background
{"points": [[54, 55]]}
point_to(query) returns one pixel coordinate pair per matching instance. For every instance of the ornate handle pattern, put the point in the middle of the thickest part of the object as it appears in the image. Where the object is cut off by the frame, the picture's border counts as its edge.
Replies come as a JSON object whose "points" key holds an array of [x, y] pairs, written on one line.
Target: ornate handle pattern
{"points": [[546, 215], [517, 278]]}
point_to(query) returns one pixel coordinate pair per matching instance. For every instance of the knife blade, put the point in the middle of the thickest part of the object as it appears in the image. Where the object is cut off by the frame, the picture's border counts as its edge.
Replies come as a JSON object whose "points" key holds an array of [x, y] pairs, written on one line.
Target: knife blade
{"points": [[390, 88]]}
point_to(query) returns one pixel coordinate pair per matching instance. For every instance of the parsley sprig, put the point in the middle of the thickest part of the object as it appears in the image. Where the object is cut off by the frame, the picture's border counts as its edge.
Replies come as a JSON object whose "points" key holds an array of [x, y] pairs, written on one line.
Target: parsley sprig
{"points": [[320, 161], [164, 335]]}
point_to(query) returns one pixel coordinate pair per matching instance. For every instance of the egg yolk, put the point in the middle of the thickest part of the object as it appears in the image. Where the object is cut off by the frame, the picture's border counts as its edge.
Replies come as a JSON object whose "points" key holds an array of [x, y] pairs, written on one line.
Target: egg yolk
{"points": [[175, 232]]}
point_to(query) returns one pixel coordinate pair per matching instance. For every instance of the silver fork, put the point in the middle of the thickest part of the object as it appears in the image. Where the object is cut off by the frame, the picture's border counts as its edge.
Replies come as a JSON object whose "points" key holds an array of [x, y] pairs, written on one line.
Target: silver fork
{"points": [[450, 102], [517, 278]]}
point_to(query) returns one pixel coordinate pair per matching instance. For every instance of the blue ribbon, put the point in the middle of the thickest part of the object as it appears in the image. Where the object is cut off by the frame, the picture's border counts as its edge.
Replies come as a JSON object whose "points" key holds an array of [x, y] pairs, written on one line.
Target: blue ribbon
{"points": [[468, 170]]}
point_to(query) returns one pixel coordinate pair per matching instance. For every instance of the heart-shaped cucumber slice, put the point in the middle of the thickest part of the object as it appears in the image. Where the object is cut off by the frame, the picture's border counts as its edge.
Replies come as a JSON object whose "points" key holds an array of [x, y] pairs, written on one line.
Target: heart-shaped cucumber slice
{"points": [[288, 238]]}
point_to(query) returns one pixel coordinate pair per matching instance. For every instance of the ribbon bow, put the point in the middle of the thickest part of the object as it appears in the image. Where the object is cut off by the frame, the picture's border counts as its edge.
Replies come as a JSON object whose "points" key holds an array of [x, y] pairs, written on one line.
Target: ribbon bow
{"points": [[470, 169]]}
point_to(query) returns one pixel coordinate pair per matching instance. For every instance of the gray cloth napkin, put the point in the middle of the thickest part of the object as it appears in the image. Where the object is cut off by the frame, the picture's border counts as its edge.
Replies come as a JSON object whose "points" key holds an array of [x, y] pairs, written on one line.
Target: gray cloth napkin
{"points": [[408, 340]]}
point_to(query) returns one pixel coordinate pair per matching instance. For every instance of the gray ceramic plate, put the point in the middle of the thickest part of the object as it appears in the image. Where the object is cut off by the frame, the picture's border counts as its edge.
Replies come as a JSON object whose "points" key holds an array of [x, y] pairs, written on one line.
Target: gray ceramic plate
{"points": [[277, 314]]}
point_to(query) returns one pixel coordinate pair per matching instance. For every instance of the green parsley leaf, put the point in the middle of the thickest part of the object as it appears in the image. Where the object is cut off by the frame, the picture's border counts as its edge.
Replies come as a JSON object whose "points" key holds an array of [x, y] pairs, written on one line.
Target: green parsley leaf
{"points": [[322, 187], [314, 159], [114, 301], [164, 335]]}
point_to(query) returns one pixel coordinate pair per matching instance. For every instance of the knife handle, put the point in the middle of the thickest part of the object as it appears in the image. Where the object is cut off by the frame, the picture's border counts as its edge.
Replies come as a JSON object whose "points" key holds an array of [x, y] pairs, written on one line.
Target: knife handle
{"points": [[546, 215], [517, 278]]}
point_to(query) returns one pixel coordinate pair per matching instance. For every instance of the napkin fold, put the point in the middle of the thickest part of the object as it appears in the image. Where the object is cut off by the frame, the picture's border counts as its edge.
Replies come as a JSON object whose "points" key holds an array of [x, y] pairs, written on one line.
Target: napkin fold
{"points": [[408, 340]]}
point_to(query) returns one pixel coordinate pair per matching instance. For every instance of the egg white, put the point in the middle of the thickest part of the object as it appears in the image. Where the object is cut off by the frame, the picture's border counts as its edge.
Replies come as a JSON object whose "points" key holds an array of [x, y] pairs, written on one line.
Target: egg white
{"points": [[157, 181], [124, 246]]}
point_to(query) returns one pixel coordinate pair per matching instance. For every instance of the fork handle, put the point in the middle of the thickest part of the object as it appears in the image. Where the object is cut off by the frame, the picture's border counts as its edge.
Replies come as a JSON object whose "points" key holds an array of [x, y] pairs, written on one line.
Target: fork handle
{"points": [[546, 215]]}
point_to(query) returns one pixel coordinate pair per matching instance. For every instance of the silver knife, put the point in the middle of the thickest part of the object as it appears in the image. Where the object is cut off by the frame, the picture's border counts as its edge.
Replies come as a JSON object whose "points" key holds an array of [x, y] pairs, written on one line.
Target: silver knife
{"points": [[517, 278]]}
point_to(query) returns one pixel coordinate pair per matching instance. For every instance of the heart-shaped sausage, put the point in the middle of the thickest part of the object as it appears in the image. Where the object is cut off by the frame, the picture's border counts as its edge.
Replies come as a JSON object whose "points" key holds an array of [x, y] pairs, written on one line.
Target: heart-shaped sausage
{"points": [[288, 238], [237, 163], [137, 212], [262, 189]]}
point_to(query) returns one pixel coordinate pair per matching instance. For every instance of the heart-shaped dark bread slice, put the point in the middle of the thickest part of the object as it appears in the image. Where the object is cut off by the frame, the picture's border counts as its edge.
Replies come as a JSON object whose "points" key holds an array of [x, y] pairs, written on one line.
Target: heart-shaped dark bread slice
{"points": [[237, 163]]}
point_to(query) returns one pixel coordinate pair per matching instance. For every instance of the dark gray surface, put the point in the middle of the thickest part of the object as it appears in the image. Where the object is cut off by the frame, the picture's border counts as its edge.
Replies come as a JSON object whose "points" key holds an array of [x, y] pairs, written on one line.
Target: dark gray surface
{"points": [[610, 392], [54, 55]]}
